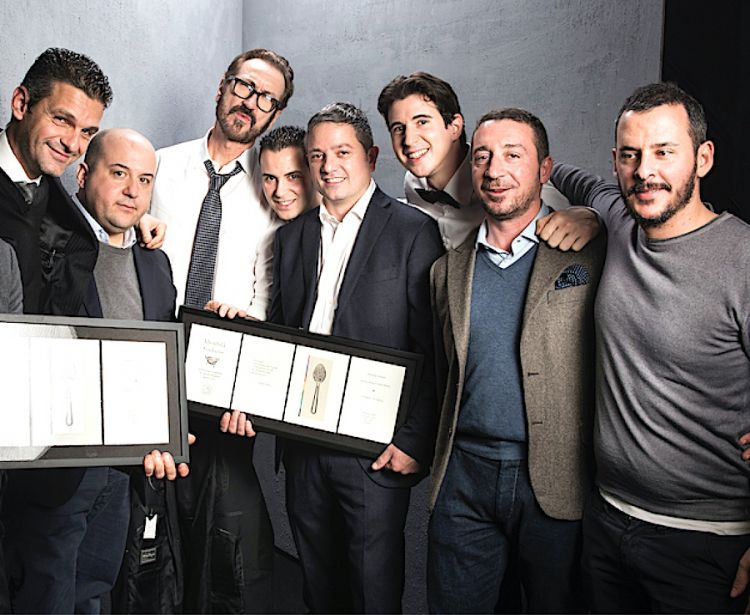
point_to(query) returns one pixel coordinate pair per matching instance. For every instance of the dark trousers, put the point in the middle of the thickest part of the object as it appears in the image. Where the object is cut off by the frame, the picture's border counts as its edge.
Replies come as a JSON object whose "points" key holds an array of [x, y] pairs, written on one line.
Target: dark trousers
{"points": [[348, 530], [227, 537], [63, 559], [631, 566], [486, 511]]}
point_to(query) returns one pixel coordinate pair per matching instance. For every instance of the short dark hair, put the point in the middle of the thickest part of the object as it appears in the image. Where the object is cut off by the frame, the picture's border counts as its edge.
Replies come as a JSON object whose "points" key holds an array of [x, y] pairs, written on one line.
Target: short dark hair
{"points": [[666, 93], [58, 65], [345, 113], [272, 58], [282, 137], [524, 117], [434, 89]]}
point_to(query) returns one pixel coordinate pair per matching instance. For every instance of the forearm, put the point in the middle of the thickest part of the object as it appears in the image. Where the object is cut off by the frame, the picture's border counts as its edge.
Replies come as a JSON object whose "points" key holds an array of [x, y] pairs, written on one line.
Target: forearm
{"points": [[586, 189]]}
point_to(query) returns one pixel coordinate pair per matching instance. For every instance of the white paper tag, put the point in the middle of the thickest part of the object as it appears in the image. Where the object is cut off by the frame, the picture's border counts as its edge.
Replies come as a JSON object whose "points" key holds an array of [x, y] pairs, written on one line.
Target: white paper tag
{"points": [[149, 531]]}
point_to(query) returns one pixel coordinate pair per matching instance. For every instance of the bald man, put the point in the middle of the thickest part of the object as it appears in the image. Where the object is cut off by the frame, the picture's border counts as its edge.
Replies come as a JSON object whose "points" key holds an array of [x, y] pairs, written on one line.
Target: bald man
{"points": [[64, 555]]}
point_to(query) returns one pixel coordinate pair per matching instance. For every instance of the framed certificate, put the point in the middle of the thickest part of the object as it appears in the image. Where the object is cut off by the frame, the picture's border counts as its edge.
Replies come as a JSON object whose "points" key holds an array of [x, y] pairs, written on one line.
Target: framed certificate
{"points": [[90, 392], [321, 389]]}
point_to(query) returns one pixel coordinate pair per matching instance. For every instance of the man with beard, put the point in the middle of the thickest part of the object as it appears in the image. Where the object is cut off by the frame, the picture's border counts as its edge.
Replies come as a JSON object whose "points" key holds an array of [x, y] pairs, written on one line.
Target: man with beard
{"points": [[513, 455], [670, 522], [209, 193]]}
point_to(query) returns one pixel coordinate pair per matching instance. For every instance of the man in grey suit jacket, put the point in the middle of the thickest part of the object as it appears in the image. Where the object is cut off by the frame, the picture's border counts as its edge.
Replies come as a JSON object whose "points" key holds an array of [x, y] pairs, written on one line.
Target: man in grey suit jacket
{"points": [[513, 459]]}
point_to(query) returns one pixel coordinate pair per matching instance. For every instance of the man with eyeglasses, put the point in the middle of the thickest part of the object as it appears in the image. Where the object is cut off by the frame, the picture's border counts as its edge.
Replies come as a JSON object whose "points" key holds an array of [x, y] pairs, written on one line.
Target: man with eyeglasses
{"points": [[209, 192]]}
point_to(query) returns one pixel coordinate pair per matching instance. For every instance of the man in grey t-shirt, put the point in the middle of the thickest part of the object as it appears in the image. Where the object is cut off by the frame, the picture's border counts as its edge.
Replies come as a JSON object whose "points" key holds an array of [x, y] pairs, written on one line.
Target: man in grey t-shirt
{"points": [[669, 528]]}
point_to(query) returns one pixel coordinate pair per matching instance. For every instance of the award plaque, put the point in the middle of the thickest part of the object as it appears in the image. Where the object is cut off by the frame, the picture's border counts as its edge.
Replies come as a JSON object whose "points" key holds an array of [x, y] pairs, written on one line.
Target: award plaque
{"points": [[321, 389], [90, 392]]}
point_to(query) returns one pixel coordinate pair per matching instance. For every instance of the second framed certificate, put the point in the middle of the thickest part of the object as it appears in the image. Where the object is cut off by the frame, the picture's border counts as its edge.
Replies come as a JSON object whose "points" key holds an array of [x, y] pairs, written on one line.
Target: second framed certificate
{"points": [[324, 390]]}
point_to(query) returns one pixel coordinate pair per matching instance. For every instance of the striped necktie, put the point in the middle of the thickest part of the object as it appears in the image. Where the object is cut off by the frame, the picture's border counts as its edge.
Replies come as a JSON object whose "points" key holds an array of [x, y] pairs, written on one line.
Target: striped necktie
{"points": [[200, 278]]}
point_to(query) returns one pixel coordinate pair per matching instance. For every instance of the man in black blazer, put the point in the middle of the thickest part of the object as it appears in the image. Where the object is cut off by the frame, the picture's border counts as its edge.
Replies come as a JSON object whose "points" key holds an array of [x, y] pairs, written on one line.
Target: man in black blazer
{"points": [[54, 112], [67, 528], [357, 267]]}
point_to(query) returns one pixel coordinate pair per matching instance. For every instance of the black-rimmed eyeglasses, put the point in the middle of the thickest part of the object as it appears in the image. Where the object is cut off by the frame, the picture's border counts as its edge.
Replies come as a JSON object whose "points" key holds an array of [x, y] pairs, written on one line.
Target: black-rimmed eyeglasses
{"points": [[244, 89]]}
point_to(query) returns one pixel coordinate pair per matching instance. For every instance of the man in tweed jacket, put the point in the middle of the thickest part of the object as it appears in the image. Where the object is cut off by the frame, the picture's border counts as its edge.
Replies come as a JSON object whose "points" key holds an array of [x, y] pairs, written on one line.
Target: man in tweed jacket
{"points": [[513, 460]]}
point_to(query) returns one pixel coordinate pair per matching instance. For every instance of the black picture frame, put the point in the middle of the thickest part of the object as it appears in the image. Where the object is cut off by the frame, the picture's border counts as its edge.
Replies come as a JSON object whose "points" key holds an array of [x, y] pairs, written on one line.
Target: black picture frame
{"points": [[172, 335], [412, 363]]}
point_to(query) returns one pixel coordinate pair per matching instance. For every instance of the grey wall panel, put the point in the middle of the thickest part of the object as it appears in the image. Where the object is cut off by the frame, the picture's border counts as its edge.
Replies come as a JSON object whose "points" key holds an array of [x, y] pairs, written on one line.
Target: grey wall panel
{"points": [[164, 59], [572, 62]]}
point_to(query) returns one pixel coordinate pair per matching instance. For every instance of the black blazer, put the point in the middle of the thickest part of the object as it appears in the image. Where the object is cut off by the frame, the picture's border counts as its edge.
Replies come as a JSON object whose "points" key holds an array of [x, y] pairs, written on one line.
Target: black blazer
{"points": [[54, 487], [42, 234], [384, 299]]}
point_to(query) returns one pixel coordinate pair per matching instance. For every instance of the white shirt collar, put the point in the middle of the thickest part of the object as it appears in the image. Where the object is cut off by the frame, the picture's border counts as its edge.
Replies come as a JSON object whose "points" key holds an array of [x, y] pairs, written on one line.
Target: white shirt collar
{"points": [[128, 240], [244, 158], [10, 164], [528, 233], [358, 211]]}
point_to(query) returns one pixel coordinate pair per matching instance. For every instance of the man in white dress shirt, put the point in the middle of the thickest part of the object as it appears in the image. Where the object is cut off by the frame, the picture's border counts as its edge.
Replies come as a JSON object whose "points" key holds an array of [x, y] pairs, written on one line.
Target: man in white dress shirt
{"points": [[230, 552]]}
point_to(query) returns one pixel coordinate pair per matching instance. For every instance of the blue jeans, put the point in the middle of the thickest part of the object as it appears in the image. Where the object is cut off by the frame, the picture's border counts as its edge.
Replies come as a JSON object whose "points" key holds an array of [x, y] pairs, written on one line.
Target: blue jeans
{"points": [[63, 559], [631, 566], [486, 510]]}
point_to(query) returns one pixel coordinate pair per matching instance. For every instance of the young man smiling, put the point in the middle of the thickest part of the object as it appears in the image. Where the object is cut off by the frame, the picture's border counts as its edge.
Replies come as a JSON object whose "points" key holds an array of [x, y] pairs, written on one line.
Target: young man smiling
{"points": [[286, 176]]}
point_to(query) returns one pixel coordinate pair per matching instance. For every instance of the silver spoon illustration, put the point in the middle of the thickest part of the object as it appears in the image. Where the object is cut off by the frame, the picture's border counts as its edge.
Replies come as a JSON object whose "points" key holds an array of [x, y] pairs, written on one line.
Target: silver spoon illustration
{"points": [[319, 376]]}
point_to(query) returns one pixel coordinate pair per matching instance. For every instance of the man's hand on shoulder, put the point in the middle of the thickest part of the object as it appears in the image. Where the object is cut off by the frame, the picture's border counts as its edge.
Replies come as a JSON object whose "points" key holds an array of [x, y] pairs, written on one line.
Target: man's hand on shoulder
{"points": [[151, 232], [569, 229], [395, 460]]}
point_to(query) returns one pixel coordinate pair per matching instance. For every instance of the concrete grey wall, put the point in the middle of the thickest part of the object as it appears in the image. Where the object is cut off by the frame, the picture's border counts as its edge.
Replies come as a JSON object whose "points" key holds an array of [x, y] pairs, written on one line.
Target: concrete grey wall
{"points": [[572, 62], [164, 59]]}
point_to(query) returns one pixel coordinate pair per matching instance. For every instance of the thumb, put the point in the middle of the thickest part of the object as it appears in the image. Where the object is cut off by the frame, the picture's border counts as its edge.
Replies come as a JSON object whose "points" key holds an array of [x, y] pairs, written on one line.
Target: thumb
{"points": [[384, 458], [743, 574]]}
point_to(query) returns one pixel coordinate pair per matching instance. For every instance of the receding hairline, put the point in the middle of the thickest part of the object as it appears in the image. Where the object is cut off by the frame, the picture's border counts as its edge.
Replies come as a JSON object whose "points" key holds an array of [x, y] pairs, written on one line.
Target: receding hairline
{"points": [[100, 139]]}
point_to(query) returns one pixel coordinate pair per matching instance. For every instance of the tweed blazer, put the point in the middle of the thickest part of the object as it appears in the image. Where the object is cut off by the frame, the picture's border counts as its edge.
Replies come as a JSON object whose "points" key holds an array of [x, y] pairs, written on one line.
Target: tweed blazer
{"points": [[558, 371]]}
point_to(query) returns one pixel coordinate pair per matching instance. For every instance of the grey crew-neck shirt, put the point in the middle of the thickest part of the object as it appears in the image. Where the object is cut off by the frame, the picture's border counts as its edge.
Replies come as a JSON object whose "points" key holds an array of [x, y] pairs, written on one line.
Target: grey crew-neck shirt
{"points": [[117, 283], [673, 378]]}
